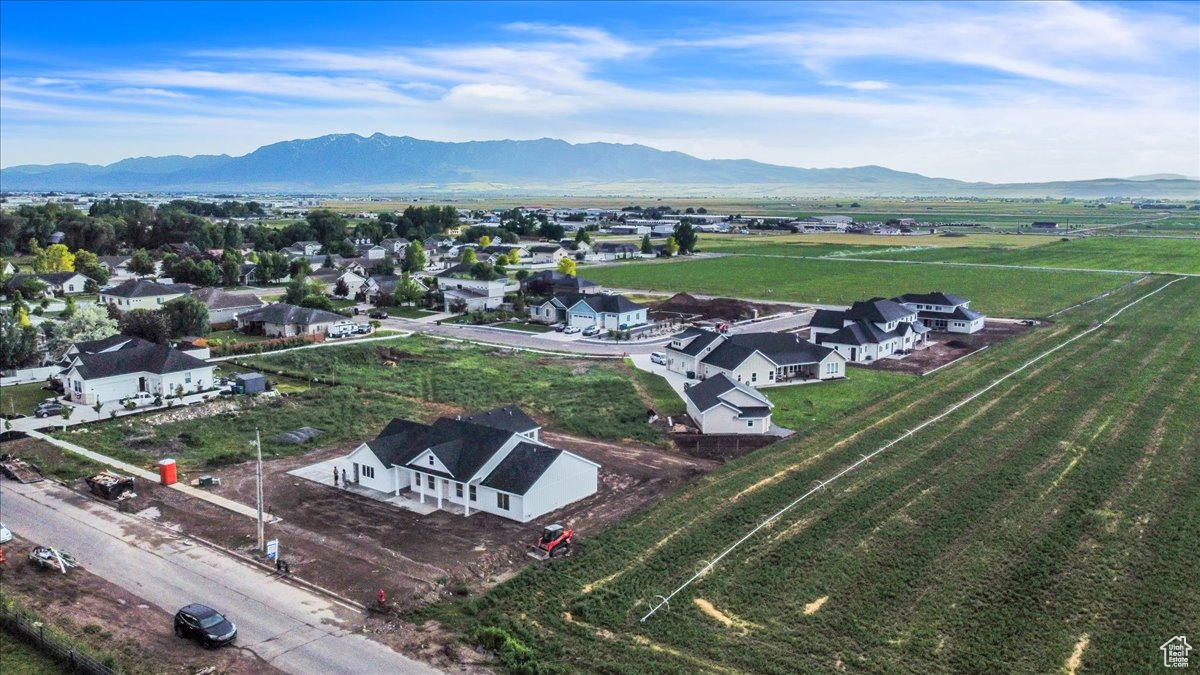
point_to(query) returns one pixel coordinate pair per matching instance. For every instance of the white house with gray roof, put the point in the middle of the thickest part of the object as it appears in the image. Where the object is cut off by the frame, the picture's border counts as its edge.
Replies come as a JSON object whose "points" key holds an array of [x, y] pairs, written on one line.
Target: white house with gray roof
{"points": [[722, 405], [761, 359], [117, 368], [493, 461], [142, 294], [284, 320], [870, 330], [943, 312]]}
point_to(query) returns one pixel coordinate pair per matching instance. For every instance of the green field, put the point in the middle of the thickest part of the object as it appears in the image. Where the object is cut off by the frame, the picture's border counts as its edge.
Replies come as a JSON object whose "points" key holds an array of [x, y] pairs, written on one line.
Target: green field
{"points": [[1052, 515], [993, 291], [1161, 255], [21, 399], [666, 401], [803, 407], [18, 657]]}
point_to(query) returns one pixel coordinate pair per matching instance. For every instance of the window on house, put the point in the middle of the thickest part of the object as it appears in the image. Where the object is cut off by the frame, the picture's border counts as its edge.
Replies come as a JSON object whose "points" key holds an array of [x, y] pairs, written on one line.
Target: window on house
{"points": [[458, 490], [502, 501], [429, 482], [750, 423], [78, 387], [754, 377], [431, 460], [771, 375], [368, 471], [187, 378], [471, 491]]}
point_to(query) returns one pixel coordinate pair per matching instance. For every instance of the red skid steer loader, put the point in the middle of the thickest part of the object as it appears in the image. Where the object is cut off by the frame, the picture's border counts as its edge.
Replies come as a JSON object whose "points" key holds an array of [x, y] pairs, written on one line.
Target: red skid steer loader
{"points": [[554, 542]]}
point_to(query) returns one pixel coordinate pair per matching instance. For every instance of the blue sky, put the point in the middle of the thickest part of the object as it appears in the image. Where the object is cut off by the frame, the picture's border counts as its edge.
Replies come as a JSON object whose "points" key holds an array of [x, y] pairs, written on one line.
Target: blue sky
{"points": [[978, 91]]}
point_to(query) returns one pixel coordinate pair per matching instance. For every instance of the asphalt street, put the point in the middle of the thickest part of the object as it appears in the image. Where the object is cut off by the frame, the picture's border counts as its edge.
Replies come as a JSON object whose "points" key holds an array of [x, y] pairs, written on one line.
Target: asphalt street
{"points": [[293, 629]]}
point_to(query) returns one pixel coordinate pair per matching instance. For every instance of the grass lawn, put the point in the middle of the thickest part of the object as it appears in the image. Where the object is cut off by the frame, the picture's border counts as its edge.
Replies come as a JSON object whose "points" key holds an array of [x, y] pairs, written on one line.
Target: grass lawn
{"points": [[1125, 253], [342, 303], [1034, 521], [18, 657], [825, 242], [235, 336], [527, 327], [586, 397], [52, 460], [666, 401], [21, 399], [997, 292], [802, 407], [408, 312]]}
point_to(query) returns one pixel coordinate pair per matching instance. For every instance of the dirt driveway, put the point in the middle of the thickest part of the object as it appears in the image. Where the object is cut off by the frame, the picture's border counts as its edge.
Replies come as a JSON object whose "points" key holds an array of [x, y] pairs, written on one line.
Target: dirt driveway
{"points": [[950, 346]]}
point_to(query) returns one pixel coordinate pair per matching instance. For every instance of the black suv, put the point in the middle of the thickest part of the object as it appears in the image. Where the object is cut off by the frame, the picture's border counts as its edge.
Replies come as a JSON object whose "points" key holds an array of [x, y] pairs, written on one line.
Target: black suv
{"points": [[204, 625], [378, 314]]}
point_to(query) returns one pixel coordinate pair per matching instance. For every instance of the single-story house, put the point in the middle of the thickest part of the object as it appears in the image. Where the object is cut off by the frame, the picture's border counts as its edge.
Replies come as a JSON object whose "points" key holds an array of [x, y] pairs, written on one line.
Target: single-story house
{"points": [[491, 461], [552, 282], [142, 294], [117, 266], [542, 254], [111, 343], [608, 312], [869, 330], [761, 359], [943, 312], [638, 230], [460, 289], [57, 283], [722, 405], [612, 250], [119, 373], [224, 306], [284, 320]]}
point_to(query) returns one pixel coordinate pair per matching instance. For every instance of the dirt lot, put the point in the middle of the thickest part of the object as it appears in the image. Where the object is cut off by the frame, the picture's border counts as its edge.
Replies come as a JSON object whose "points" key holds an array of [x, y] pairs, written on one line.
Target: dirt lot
{"points": [[112, 621], [686, 307], [950, 346]]}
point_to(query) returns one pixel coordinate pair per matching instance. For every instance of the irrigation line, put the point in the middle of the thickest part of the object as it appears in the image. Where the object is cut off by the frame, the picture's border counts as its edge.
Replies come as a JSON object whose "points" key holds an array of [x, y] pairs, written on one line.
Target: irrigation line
{"points": [[933, 420]]}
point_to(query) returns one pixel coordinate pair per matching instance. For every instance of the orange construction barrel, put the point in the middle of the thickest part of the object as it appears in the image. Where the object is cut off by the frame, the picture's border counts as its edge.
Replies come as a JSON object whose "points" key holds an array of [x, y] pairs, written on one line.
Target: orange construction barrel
{"points": [[166, 471]]}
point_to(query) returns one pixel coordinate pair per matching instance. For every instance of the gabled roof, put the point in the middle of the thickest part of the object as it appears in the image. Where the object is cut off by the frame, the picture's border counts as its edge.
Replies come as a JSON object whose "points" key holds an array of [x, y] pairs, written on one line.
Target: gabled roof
{"points": [[932, 298], [150, 358], [463, 271], [858, 333], [400, 441], [508, 418], [283, 313], [616, 247], [782, 349], [110, 343], [710, 393], [700, 338], [611, 304], [113, 261], [464, 447], [878, 310], [52, 278], [545, 248], [828, 318], [517, 472], [144, 288], [215, 298]]}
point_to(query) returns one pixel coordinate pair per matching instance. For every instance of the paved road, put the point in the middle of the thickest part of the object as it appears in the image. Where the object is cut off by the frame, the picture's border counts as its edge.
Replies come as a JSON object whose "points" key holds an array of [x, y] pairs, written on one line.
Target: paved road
{"points": [[292, 629]]}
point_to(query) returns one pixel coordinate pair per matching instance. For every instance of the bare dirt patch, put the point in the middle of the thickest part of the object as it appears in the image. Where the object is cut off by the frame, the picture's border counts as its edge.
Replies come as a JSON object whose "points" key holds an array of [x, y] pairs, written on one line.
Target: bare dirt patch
{"points": [[720, 448], [688, 307], [812, 607], [948, 347], [111, 620]]}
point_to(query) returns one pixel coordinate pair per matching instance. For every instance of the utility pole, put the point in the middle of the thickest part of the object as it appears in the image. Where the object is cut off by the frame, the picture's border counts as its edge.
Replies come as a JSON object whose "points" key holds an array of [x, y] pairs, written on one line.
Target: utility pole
{"points": [[258, 480]]}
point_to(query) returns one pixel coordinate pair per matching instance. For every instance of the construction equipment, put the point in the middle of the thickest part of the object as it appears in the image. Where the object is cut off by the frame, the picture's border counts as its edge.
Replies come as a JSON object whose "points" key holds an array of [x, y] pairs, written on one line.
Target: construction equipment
{"points": [[109, 485], [48, 558], [554, 542]]}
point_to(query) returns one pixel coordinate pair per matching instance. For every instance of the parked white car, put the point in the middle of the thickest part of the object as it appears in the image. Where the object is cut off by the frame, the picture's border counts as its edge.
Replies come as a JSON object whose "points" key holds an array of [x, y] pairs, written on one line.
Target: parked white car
{"points": [[659, 358], [571, 330], [591, 331], [5, 534]]}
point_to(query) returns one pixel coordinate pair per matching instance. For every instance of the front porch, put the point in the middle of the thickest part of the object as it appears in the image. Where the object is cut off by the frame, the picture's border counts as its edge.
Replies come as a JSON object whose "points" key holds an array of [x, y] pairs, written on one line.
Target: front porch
{"points": [[409, 500]]}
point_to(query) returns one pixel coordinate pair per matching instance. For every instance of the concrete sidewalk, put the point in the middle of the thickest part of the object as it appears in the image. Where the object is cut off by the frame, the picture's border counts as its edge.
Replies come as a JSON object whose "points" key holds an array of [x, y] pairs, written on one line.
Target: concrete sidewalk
{"points": [[216, 500], [322, 472]]}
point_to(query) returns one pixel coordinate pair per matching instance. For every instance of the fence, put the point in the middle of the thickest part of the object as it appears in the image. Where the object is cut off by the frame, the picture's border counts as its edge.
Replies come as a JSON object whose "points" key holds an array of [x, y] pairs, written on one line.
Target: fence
{"points": [[11, 377], [48, 641]]}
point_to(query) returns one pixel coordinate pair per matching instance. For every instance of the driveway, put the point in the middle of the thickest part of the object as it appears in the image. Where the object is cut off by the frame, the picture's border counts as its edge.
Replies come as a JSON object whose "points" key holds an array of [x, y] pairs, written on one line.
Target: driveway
{"points": [[678, 382], [82, 414], [293, 629]]}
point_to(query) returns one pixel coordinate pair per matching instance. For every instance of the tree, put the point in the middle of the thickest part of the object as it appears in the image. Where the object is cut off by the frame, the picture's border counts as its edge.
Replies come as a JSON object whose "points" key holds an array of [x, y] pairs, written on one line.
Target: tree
{"points": [[317, 301], [672, 246], [647, 247], [18, 342], [686, 237], [146, 324], [31, 287], [582, 236], [566, 266], [327, 226], [382, 267], [90, 322], [469, 257], [485, 241], [88, 264], [414, 257], [140, 263], [252, 256], [301, 289], [54, 258], [328, 262], [23, 318], [341, 289], [514, 256], [187, 316], [298, 268], [407, 291], [69, 310]]}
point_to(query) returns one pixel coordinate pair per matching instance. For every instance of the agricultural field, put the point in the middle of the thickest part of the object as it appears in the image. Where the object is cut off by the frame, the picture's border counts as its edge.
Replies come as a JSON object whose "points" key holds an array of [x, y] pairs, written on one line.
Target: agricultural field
{"points": [[802, 408], [1037, 526], [993, 291], [1162, 255], [838, 244]]}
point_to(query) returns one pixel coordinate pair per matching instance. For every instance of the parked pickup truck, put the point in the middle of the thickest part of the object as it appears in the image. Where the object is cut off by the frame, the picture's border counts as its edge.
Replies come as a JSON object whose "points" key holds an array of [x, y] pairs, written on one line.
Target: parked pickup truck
{"points": [[139, 400]]}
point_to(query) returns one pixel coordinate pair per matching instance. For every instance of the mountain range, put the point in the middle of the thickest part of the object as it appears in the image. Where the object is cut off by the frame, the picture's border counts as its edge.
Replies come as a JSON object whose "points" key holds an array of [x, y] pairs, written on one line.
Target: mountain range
{"points": [[353, 164]]}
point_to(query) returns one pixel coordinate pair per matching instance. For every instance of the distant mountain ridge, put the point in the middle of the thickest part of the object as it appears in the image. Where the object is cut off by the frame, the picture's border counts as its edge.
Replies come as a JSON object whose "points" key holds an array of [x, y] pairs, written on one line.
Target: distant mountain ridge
{"points": [[353, 164]]}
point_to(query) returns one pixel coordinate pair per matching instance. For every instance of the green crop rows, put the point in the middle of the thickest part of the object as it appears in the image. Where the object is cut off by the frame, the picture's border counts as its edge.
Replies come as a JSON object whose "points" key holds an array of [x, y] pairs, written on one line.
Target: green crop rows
{"points": [[1164, 255], [1058, 506], [994, 291]]}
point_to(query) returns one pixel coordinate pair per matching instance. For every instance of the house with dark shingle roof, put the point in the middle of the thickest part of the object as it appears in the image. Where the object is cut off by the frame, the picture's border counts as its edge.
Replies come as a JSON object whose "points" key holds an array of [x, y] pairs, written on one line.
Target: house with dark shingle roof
{"points": [[225, 306], [492, 461], [870, 330], [762, 359], [616, 250], [284, 320], [722, 405], [553, 282], [142, 294], [607, 312], [56, 283], [943, 312], [115, 368]]}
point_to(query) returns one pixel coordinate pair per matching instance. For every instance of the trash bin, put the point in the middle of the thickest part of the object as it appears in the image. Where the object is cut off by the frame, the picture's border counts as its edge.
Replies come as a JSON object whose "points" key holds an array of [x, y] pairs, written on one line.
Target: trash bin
{"points": [[166, 471]]}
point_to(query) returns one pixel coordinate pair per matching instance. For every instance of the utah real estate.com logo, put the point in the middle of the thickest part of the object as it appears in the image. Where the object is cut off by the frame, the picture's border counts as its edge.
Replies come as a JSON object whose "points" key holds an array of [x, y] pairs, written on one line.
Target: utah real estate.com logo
{"points": [[1175, 652]]}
